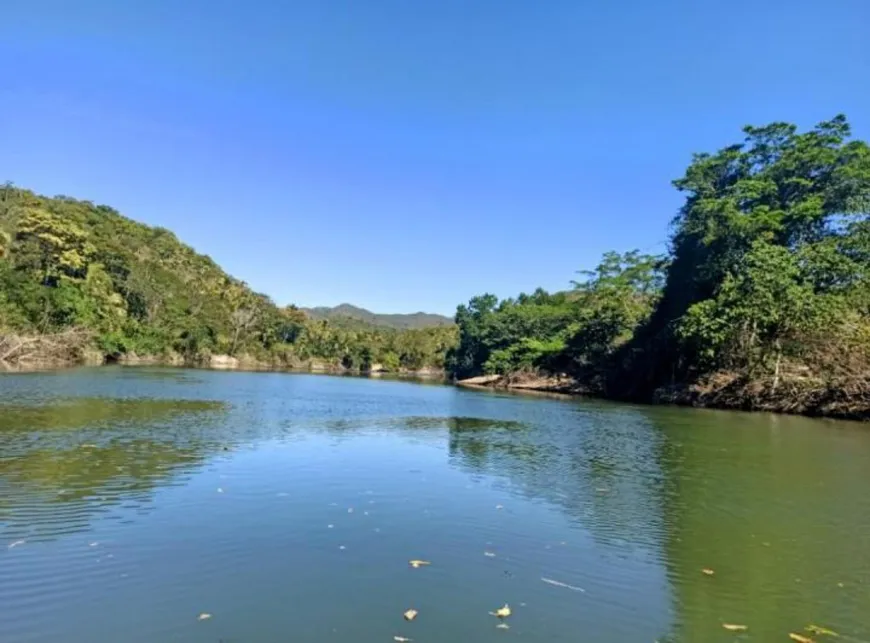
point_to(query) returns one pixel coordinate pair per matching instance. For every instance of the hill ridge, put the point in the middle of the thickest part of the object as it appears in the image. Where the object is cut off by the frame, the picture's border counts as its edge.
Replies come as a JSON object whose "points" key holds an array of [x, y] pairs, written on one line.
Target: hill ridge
{"points": [[346, 311]]}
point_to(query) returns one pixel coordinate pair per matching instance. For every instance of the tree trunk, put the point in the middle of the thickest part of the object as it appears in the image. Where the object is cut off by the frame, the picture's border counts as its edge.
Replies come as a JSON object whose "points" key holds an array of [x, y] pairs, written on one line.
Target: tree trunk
{"points": [[777, 366]]}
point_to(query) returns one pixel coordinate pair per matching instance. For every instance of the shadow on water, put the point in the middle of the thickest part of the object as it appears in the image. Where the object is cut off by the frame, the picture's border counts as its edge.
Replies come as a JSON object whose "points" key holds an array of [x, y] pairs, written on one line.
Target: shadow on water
{"points": [[411, 424], [775, 506], [596, 464], [64, 463]]}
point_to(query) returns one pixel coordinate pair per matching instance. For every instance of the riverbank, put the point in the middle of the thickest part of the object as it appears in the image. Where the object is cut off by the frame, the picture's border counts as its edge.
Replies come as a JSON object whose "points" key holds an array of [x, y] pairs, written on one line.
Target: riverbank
{"points": [[214, 362], [250, 363], [555, 383], [795, 396]]}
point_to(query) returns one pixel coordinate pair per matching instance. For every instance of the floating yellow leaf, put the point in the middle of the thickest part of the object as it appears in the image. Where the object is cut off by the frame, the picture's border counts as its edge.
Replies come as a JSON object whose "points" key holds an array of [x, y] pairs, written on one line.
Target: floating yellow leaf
{"points": [[732, 627], [707, 571], [502, 612], [800, 638], [418, 563], [410, 615], [818, 629]]}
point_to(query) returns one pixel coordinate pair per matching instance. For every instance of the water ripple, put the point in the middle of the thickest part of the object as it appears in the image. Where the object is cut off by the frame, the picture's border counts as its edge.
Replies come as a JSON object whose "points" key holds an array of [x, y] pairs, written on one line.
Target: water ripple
{"points": [[288, 507]]}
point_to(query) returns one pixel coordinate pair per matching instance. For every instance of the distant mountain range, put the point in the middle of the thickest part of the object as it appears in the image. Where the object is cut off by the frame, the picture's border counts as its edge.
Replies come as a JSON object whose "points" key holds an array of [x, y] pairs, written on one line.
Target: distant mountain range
{"points": [[347, 314]]}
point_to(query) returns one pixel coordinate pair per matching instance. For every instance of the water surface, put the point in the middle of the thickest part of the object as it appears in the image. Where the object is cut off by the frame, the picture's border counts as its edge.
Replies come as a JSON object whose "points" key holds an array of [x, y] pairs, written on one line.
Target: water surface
{"points": [[288, 506]]}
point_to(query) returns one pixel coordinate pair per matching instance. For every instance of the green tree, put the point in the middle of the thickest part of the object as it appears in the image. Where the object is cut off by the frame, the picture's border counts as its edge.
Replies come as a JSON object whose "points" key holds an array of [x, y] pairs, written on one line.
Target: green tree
{"points": [[803, 193], [60, 247], [759, 312], [612, 301]]}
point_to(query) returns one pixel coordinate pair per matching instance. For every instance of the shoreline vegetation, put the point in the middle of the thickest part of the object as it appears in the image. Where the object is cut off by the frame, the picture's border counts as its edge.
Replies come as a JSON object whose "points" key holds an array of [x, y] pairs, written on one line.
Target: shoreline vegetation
{"points": [[761, 301], [74, 348]]}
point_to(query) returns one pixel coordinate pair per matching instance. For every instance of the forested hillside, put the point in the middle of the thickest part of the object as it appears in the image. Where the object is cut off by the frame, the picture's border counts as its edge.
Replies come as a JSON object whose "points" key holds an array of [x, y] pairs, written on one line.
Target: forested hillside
{"points": [[352, 316], [75, 276], [763, 300]]}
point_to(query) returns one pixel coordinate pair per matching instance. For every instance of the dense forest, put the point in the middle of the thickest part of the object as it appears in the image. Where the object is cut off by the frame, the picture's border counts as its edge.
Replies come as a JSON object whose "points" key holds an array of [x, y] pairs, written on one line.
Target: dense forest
{"points": [[762, 300], [78, 279]]}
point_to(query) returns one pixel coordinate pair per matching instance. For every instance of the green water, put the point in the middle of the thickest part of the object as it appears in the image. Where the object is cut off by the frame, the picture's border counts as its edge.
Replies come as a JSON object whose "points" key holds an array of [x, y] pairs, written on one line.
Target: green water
{"points": [[288, 506]]}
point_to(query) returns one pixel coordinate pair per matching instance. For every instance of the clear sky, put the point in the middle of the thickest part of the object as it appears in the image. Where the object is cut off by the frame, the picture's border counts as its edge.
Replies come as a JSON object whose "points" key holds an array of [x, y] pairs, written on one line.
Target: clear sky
{"points": [[406, 155]]}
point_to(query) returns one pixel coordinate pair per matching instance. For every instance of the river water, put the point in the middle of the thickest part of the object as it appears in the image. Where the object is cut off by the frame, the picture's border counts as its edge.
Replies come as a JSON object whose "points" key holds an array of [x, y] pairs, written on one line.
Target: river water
{"points": [[134, 502]]}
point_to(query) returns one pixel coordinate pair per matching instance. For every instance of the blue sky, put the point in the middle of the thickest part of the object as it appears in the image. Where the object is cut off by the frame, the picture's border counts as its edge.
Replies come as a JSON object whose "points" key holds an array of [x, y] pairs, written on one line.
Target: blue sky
{"points": [[406, 155]]}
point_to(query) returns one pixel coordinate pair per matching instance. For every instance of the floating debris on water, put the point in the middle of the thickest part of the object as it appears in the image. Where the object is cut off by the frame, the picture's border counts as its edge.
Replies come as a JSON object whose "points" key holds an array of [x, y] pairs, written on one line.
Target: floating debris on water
{"points": [[203, 617], [733, 627], [499, 507], [561, 584], [418, 563], [94, 544], [707, 571], [342, 547], [489, 554], [402, 639], [502, 626], [330, 526], [410, 614], [502, 612], [219, 490], [16, 543], [800, 638], [818, 629]]}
